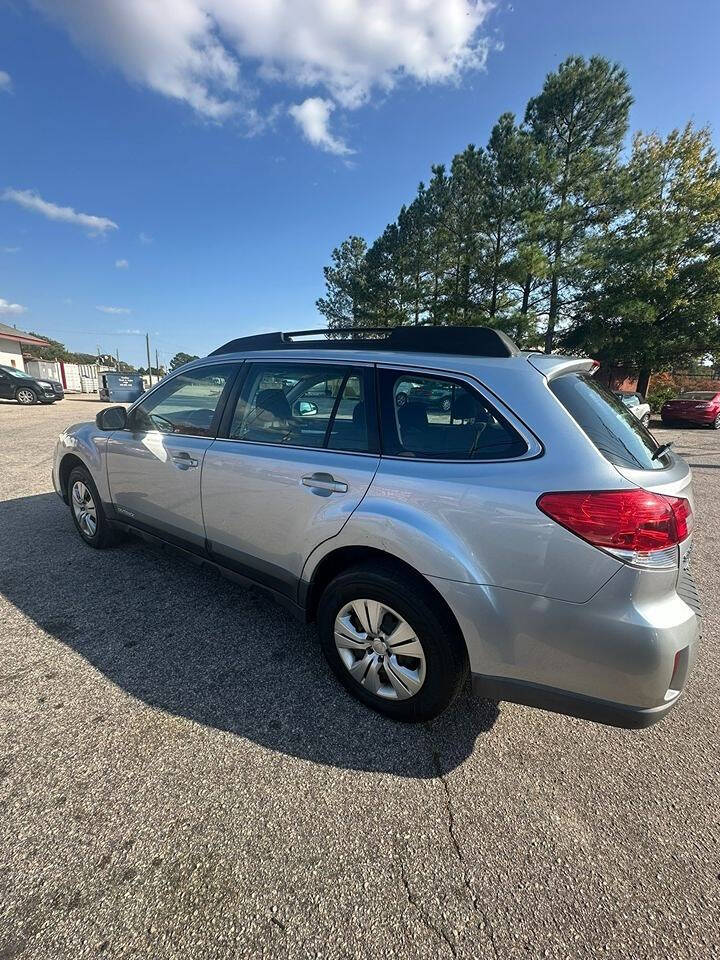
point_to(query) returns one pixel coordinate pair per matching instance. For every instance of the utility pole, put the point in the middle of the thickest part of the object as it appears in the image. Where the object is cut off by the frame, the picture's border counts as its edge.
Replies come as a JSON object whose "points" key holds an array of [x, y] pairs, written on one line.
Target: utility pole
{"points": [[147, 347], [117, 357], [157, 363]]}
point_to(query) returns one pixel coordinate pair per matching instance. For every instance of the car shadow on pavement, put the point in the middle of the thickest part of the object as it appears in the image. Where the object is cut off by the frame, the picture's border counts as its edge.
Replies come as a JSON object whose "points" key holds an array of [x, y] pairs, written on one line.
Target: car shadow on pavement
{"points": [[186, 641]]}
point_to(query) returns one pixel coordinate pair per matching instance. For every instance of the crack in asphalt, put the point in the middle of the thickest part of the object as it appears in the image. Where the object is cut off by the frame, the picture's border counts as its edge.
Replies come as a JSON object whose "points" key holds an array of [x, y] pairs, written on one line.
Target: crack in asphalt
{"points": [[440, 933], [486, 924]]}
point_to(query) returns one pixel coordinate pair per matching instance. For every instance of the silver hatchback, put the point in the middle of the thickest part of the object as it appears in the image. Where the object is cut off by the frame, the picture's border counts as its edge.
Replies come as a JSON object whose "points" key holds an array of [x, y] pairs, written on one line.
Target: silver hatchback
{"points": [[440, 503]]}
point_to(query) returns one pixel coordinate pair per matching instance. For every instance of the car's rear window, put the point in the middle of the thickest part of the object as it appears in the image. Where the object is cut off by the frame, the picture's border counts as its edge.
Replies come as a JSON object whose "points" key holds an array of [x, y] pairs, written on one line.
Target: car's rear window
{"points": [[615, 431], [697, 395]]}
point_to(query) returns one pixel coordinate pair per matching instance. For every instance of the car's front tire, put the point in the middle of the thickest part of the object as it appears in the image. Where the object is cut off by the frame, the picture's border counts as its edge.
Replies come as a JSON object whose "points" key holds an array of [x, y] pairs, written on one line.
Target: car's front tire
{"points": [[645, 421], [715, 425], [26, 396], [87, 510], [391, 643]]}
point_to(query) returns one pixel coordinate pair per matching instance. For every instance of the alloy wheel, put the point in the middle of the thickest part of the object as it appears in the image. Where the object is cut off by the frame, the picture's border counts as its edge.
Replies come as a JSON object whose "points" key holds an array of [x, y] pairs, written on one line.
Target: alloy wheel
{"points": [[25, 396], [84, 509], [380, 649]]}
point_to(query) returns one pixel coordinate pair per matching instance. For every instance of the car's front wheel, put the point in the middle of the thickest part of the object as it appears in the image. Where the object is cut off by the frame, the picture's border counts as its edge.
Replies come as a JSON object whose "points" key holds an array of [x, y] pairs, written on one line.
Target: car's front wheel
{"points": [[646, 420], [26, 396], [716, 423], [390, 643], [87, 510]]}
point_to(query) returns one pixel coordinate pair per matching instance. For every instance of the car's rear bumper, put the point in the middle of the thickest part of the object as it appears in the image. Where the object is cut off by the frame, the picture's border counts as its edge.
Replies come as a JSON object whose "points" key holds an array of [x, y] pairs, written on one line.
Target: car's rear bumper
{"points": [[621, 658]]}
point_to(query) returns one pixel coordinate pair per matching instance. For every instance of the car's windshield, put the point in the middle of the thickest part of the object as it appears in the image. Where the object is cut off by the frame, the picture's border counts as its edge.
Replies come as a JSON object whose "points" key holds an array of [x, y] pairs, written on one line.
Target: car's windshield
{"points": [[20, 374], [614, 430], [697, 395]]}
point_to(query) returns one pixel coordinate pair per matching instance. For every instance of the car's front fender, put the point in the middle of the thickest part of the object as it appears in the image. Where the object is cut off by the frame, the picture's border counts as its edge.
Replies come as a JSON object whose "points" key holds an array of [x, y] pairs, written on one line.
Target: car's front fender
{"points": [[88, 444]]}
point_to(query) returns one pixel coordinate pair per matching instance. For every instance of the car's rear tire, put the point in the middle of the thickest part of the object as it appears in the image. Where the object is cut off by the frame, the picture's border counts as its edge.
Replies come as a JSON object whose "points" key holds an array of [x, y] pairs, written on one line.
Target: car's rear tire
{"points": [[87, 510], [26, 396], [415, 677], [645, 421]]}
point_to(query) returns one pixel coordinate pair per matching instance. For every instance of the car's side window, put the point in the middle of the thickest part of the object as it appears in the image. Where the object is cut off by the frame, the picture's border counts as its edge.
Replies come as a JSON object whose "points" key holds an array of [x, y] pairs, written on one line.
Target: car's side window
{"points": [[306, 405], [440, 418], [188, 403]]}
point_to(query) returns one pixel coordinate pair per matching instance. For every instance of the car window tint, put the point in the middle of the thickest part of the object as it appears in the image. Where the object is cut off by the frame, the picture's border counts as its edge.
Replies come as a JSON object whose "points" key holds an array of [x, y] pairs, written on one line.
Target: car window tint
{"points": [[615, 431], [438, 418], [305, 405], [185, 404]]}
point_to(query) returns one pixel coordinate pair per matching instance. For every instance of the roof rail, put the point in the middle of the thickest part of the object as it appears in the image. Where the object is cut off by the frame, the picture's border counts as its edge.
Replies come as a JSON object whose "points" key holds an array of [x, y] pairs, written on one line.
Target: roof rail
{"points": [[464, 341]]}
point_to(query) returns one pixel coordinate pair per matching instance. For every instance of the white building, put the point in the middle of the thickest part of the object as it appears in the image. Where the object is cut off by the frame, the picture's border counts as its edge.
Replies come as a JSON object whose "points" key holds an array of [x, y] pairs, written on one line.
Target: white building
{"points": [[12, 341]]}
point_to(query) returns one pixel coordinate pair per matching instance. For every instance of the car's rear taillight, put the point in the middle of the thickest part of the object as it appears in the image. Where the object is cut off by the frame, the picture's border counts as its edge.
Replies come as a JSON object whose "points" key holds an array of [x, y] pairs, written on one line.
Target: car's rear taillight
{"points": [[637, 526]]}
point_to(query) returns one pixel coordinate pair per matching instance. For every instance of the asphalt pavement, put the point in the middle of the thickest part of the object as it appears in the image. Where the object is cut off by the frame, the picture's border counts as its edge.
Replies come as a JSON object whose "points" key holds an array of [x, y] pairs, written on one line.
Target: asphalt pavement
{"points": [[181, 776]]}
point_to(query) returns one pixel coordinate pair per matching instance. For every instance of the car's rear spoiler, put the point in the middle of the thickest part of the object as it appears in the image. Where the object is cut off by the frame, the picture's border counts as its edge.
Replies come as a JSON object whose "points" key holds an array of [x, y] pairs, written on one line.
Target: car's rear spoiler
{"points": [[551, 366]]}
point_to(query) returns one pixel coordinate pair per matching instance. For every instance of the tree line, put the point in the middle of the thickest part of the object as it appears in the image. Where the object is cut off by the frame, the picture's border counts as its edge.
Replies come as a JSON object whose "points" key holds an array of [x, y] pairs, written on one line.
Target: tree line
{"points": [[56, 350], [557, 233]]}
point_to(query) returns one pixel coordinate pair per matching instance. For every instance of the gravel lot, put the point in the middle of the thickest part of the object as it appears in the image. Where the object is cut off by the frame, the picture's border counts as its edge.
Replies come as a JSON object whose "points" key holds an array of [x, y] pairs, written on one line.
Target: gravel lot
{"points": [[180, 775]]}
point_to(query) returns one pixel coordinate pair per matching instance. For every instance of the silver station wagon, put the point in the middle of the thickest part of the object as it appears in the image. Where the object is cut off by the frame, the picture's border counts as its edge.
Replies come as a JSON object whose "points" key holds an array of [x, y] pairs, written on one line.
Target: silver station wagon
{"points": [[440, 503]]}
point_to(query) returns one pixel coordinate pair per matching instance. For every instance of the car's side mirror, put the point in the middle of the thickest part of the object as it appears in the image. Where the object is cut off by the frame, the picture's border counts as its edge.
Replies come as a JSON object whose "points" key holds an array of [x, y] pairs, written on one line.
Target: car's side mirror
{"points": [[306, 408], [111, 418]]}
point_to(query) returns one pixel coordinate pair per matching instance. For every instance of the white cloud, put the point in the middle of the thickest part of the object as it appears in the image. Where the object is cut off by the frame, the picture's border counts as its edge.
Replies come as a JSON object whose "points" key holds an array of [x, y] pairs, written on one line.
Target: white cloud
{"points": [[10, 249], [144, 238], [31, 200], [11, 308], [6, 83], [133, 332], [122, 264], [115, 310], [212, 54], [313, 116]]}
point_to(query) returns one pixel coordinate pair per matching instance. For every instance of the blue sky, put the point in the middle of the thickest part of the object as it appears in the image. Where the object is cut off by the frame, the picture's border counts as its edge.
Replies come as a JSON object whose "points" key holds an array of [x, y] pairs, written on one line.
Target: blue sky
{"points": [[224, 153]]}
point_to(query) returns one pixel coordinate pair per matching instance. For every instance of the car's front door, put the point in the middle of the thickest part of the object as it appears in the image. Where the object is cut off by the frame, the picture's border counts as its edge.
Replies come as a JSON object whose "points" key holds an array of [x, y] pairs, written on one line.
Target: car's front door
{"points": [[296, 454], [155, 464]]}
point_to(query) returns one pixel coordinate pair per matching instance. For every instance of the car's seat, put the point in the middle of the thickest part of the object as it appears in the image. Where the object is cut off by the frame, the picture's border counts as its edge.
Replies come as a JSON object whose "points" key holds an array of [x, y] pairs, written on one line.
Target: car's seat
{"points": [[272, 415]]}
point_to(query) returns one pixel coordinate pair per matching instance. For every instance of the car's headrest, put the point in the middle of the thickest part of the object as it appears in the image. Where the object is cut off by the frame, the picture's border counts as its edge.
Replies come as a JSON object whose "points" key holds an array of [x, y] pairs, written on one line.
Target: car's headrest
{"points": [[274, 402]]}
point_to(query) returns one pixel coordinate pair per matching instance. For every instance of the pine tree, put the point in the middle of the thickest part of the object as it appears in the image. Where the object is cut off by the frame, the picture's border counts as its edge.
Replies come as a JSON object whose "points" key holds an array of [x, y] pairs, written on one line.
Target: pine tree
{"points": [[651, 296], [345, 301], [580, 118]]}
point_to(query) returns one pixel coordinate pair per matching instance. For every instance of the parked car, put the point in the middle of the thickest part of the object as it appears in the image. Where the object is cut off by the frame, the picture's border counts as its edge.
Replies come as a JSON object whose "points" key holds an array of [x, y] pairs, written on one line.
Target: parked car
{"points": [[535, 535], [20, 386], [430, 394], [701, 407], [636, 404]]}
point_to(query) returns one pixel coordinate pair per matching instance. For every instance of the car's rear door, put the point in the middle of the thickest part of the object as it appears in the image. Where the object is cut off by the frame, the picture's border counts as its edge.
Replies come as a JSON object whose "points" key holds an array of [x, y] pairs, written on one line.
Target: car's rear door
{"points": [[296, 453], [155, 465]]}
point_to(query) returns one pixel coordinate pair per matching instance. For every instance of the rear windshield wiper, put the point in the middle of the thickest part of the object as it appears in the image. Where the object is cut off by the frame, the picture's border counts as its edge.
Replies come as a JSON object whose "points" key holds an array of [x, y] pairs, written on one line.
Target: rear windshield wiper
{"points": [[663, 448]]}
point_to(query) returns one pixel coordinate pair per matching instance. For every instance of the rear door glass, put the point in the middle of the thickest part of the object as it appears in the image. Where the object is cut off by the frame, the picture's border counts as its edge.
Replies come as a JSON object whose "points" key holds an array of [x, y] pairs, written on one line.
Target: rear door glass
{"points": [[615, 431], [435, 418]]}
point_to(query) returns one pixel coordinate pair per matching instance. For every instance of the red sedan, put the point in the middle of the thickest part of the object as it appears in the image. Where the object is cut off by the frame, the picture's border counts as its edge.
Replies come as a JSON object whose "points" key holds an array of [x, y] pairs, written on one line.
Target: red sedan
{"points": [[695, 406]]}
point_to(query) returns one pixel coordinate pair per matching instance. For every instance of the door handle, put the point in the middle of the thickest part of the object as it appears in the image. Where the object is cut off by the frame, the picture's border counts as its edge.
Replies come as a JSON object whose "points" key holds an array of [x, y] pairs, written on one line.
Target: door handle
{"points": [[184, 461], [325, 481]]}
